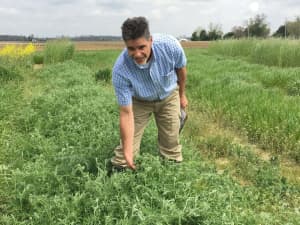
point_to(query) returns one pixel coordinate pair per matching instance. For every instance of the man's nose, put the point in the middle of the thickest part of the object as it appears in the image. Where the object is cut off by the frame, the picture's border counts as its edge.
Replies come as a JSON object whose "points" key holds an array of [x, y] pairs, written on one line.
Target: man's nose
{"points": [[137, 53]]}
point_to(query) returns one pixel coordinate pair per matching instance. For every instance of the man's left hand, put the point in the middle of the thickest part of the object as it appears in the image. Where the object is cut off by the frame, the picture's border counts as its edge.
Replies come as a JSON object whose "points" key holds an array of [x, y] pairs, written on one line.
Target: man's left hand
{"points": [[183, 101]]}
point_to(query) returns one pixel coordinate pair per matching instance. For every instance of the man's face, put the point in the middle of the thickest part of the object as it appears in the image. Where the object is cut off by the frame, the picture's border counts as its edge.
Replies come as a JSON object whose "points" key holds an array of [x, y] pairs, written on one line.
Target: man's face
{"points": [[139, 49]]}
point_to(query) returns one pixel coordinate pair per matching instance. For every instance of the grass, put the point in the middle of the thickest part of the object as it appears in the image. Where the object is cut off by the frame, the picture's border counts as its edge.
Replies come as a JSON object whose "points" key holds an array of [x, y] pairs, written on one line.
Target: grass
{"points": [[274, 52], [55, 142], [58, 51], [240, 94]]}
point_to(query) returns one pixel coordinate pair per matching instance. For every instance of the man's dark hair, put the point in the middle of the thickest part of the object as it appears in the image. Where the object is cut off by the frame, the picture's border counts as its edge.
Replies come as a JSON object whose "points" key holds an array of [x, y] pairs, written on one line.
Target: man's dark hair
{"points": [[134, 28]]}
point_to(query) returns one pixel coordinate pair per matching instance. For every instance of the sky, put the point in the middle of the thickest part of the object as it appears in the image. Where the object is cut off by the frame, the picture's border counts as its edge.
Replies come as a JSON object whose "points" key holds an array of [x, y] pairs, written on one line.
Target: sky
{"points": [[54, 18]]}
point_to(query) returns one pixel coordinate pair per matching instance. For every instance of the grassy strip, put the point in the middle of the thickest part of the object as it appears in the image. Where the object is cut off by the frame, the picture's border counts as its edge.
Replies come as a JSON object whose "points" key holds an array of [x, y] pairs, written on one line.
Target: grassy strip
{"points": [[274, 52], [266, 116], [58, 51]]}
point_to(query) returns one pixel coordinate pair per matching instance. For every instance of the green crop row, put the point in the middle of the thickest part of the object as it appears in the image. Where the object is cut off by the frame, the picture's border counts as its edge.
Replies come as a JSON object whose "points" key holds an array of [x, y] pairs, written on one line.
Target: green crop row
{"points": [[239, 93], [271, 52]]}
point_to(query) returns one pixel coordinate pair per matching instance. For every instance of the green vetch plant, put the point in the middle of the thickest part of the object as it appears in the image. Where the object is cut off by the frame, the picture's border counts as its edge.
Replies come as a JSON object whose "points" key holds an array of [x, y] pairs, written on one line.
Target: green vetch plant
{"points": [[103, 75], [38, 58], [57, 142], [9, 73], [293, 88]]}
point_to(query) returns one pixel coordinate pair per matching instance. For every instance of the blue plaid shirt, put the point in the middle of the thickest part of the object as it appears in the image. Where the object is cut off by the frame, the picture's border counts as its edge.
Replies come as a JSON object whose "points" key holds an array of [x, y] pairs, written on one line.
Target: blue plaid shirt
{"points": [[153, 81]]}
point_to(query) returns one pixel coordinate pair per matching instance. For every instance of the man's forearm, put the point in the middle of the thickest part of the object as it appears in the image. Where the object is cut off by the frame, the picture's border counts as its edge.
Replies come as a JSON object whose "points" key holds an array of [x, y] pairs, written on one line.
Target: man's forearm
{"points": [[127, 133], [181, 75], [126, 129]]}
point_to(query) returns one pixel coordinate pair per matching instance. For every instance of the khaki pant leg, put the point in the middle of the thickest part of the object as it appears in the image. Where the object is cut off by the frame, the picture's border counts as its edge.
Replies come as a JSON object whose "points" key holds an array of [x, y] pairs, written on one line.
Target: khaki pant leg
{"points": [[142, 112], [167, 116]]}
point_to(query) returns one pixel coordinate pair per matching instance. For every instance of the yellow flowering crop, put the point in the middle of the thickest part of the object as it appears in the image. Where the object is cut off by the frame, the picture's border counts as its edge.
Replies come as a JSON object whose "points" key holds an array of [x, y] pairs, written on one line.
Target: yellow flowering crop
{"points": [[17, 52]]}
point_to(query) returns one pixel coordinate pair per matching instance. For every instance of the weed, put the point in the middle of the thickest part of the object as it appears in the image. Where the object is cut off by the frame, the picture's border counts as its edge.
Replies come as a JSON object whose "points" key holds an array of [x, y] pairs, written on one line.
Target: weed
{"points": [[103, 75]]}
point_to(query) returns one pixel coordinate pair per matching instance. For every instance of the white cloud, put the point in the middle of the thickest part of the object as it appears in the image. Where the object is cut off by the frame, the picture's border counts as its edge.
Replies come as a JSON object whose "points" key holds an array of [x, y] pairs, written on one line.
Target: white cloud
{"points": [[254, 6], [9, 11], [177, 17], [156, 13], [173, 9]]}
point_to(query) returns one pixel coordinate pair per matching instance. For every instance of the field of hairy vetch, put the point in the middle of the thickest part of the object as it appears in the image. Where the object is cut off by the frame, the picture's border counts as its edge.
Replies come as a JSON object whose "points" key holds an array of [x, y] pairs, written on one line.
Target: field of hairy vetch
{"points": [[59, 126]]}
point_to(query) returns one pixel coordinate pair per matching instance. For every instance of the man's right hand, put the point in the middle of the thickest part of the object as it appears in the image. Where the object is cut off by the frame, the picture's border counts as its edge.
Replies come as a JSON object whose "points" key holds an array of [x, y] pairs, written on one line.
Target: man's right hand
{"points": [[129, 159]]}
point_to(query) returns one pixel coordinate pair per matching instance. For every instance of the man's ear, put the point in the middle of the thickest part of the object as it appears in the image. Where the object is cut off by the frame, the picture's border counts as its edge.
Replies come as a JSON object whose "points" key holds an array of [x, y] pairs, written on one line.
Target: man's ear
{"points": [[151, 39]]}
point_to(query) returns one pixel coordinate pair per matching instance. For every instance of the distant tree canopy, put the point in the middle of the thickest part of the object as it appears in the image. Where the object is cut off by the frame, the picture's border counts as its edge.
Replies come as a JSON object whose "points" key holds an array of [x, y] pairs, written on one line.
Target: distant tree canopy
{"points": [[289, 29], [281, 32], [236, 32], [258, 26], [293, 28], [214, 33]]}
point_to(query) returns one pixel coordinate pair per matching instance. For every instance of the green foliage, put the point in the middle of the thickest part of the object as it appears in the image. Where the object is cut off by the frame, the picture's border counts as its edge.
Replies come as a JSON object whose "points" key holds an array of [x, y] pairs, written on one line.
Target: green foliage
{"points": [[194, 36], [281, 32], [293, 28], [246, 164], [272, 52], [56, 142], [214, 33], [252, 98], [258, 27], [293, 88], [229, 35], [242, 47], [38, 58], [8, 73], [103, 75], [58, 51], [13, 68], [97, 59]]}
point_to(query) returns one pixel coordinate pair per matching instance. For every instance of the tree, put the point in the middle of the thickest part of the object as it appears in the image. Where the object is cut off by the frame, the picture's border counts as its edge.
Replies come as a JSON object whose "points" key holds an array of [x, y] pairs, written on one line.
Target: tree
{"points": [[195, 36], [199, 34], [258, 26], [293, 28], [239, 31], [203, 35], [229, 35], [215, 31], [30, 37], [281, 32]]}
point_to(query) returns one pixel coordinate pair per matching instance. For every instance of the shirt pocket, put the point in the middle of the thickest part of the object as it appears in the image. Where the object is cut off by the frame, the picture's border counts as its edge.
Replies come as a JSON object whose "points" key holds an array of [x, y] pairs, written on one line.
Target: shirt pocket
{"points": [[168, 79]]}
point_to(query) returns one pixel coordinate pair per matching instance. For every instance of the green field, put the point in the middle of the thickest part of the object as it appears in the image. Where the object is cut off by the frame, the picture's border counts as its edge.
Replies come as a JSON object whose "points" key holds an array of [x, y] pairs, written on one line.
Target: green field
{"points": [[241, 147]]}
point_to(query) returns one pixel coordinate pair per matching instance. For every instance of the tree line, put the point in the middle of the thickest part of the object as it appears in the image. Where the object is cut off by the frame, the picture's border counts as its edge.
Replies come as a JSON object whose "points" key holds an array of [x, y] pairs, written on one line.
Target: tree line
{"points": [[256, 27]]}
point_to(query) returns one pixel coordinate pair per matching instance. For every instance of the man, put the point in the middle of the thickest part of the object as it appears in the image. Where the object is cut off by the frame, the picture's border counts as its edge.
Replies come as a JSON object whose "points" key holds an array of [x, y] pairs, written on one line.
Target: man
{"points": [[149, 77]]}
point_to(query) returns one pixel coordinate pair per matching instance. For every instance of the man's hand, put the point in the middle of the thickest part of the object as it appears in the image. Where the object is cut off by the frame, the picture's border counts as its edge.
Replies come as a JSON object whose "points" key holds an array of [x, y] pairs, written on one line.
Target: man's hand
{"points": [[183, 101], [129, 159]]}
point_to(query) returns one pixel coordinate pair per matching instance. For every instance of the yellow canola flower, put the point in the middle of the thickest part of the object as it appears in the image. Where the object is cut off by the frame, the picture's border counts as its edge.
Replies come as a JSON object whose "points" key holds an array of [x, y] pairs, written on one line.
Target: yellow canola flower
{"points": [[29, 49], [17, 52], [8, 50]]}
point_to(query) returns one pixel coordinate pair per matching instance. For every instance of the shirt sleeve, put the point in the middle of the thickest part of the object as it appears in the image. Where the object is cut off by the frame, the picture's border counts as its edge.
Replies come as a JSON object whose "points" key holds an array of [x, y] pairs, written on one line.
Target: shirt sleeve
{"points": [[122, 88], [179, 55]]}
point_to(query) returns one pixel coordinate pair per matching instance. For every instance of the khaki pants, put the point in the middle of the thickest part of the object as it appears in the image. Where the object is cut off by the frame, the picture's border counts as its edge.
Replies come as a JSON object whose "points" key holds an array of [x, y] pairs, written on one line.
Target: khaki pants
{"points": [[167, 118]]}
